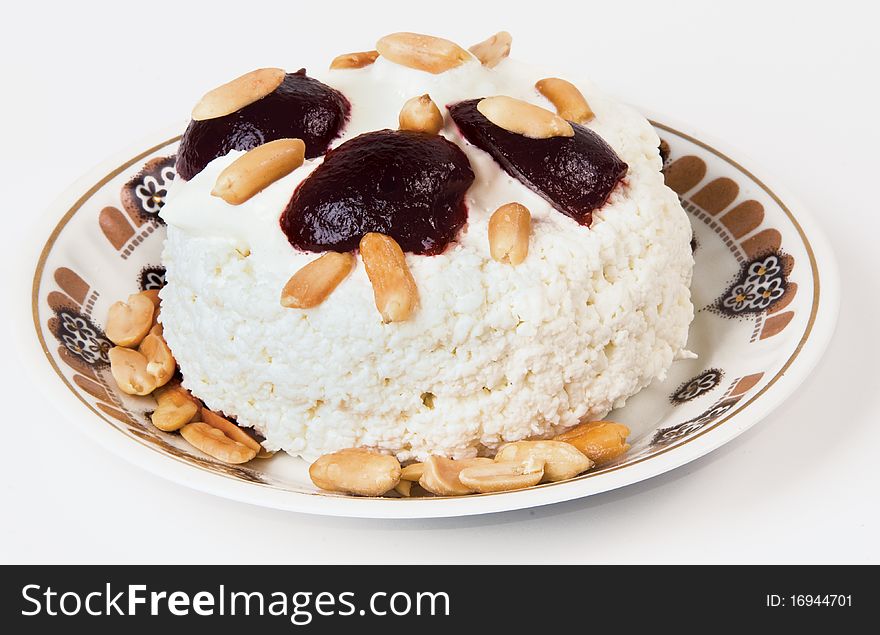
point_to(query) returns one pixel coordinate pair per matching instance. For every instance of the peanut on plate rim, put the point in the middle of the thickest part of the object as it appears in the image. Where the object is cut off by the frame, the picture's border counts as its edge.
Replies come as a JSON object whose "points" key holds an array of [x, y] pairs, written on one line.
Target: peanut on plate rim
{"points": [[561, 460], [600, 441], [356, 471], [502, 476], [160, 361], [129, 370], [440, 475], [230, 429], [175, 407], [129, 321], [216, 444]]}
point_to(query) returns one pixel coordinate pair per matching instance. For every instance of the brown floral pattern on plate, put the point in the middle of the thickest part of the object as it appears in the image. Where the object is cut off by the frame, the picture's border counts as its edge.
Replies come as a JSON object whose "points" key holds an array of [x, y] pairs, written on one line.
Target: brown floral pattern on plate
{"points": [[698, 386], [152, 277], [144, 194], [753, 294]]}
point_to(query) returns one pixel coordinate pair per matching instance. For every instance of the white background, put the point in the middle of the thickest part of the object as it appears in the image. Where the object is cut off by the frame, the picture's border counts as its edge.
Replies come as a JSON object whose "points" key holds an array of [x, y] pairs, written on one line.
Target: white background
{"points": [[792, 85]]}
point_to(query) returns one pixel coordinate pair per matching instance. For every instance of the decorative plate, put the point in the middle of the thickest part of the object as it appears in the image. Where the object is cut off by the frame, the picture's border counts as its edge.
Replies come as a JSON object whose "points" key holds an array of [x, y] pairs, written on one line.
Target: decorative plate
{"points": [[764, 289]]}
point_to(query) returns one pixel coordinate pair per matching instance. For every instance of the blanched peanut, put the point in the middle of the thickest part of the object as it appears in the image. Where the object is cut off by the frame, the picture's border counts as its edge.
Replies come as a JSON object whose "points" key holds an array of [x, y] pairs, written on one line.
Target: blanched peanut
{"points": [[422, 52], [128, 322], [570, 103], [494, 49], [230, 429], [153, 295], [561, 460], [521, 117], [404, 488], [509, 229], [412, 472], [502, 476], [129, 369], [257, 169], [394, 289], [214, 443], [175, 407], [440, 475], [421, 114], [354, 60], [362, 473], [160, 361], [238, 93], [312, 284], [601, 441]]}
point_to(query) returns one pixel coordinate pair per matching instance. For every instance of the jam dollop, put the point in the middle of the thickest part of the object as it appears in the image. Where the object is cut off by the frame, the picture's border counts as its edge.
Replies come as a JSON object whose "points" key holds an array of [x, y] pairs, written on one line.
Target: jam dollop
{"points": [[407, 185], [301, 107], [574, 174]]}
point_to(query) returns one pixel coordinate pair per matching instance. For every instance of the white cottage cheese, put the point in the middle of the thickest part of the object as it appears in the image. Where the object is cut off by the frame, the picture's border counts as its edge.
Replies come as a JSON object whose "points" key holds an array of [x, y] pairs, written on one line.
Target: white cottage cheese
{"points": [[494, 353]]}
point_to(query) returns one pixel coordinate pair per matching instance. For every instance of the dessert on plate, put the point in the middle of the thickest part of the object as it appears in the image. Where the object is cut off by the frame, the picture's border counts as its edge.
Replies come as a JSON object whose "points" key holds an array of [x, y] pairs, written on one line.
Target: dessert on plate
{"points": [[425, 264]]}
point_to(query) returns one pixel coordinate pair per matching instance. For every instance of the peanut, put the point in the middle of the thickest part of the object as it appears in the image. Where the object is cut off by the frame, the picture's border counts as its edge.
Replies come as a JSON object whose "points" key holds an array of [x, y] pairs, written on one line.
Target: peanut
{"points": [[509, 229], [422, 52], [356, 472], [421, 115], [238, 93], [521, 117], [160, 361], [440, 475], [230, 429], [312, 284], [492, 50], [129, 369], [175, 407], [502, 476], [255, 170], [569, 102], [153, 295], [412, 472], [354, 60], [128, 322], [394, 289], [561, 460], [600, 441], [404, 488], [214, 443]]}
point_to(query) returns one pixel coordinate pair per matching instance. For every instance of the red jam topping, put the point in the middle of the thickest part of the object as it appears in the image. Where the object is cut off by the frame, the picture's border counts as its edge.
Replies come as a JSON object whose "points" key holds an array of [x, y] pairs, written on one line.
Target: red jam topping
{"points": [[407, 185], [575, 174], [300, 108]]}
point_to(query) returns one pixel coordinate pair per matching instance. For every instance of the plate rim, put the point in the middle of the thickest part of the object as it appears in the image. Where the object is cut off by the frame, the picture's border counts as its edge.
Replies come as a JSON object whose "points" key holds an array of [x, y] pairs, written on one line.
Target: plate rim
{"points": [[802, 360]]}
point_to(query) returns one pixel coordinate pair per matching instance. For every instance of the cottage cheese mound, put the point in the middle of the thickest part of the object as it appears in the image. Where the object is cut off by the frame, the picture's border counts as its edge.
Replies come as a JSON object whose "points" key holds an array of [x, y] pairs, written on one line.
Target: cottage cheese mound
{"points": [[494, 353]]}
